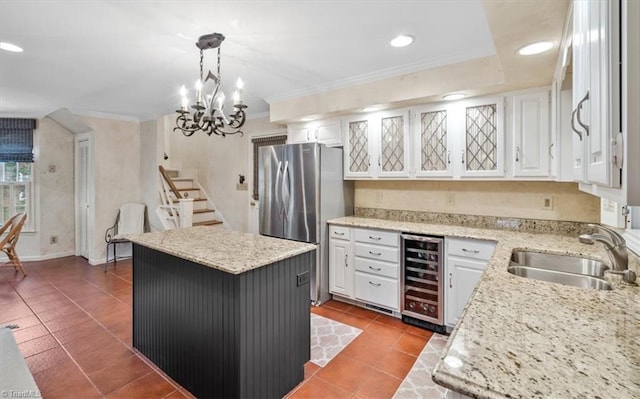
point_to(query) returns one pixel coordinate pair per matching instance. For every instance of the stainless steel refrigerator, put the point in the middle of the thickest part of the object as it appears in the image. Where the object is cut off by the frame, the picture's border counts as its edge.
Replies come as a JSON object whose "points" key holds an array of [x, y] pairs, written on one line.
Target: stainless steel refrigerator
{"points": [[300, 187]]}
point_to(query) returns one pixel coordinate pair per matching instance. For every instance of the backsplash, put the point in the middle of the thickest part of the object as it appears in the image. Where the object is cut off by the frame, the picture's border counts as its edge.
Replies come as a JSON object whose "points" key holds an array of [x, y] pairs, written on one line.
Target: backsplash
{"points": [[501, 199], [490, 222]]}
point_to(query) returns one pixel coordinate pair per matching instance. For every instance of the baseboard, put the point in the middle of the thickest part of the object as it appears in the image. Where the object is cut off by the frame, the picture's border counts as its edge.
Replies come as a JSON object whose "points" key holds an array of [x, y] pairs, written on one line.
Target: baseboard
{"points": [[35, 258]]}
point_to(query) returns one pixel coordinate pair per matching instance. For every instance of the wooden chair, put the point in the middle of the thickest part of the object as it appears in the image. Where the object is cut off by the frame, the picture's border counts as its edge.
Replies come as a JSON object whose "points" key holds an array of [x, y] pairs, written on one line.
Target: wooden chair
{"points": [[12, 227]]}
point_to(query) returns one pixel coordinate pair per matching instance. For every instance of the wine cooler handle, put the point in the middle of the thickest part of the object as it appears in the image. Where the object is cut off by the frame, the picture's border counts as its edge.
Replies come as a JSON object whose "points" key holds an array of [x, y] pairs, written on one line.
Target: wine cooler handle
{"points": [[450, 280]]}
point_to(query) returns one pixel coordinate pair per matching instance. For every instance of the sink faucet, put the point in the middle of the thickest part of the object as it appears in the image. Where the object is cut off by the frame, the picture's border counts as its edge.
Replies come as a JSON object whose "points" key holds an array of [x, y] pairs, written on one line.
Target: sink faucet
{"points": [[616, 249]]}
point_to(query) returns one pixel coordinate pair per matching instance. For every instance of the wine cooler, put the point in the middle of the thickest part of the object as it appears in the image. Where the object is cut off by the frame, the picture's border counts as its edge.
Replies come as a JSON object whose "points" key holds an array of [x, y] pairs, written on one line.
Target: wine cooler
{"points": [[422, 281]]}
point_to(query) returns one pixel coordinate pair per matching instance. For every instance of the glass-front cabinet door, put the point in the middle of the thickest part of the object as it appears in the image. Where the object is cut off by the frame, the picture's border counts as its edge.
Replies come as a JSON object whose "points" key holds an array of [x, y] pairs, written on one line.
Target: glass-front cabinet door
{"points": [[392, 144], [483, 152], [357, 151], [432, 154]]}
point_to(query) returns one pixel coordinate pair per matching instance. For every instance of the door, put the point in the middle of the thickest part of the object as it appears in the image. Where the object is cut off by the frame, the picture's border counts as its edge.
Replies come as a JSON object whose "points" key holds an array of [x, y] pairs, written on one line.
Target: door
{"points": [[462, 277], [300, 181], [530, 118], [83, 198], [357, 148], [392, 144], [433, 142], [270, 169], [341, 273], [482, 153]]}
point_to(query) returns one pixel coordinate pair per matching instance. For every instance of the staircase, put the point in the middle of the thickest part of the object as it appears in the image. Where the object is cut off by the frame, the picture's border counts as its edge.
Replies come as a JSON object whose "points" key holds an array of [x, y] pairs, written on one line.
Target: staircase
{"points": [[174, 213]]}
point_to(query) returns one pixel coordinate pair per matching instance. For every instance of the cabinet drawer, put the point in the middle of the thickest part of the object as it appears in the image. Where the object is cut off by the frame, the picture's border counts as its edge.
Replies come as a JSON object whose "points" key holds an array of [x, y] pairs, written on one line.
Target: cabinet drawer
{"points": [[468, 248], [377, 237], [377, 252], [379, 290], [376, 267], [340, 232]]}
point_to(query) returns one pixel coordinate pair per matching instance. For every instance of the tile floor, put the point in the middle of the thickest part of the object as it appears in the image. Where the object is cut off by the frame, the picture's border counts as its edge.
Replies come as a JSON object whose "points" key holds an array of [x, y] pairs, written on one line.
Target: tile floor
{"points": [[75, 334]]}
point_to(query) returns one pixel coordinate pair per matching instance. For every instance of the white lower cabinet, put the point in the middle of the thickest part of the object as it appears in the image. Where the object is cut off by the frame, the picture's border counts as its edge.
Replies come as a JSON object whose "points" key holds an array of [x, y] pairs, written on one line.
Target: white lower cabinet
{"points": [[340, 263], [379, 290], [364, 264], [466, 260]]}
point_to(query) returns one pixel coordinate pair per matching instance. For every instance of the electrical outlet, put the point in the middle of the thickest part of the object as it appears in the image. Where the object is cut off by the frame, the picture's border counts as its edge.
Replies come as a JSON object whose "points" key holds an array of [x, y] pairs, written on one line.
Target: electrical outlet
{"points": [[547, 203], [302, 279], [450, 199], [52, 168], [53, 240]]}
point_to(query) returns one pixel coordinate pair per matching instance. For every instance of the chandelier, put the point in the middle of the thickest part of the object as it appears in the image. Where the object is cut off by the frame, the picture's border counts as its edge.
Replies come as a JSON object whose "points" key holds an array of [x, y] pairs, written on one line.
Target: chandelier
{"points": [[208, 110]]}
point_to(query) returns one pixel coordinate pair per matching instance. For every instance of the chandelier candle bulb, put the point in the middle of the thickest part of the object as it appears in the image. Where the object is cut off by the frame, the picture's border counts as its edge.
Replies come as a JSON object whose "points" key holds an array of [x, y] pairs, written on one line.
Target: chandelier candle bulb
{"points": [[236, 98], [198, 91]]}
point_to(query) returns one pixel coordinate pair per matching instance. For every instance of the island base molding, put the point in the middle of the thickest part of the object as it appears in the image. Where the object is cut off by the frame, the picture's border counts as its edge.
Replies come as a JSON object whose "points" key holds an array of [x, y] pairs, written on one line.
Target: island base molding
{"points": [[219, 334]]}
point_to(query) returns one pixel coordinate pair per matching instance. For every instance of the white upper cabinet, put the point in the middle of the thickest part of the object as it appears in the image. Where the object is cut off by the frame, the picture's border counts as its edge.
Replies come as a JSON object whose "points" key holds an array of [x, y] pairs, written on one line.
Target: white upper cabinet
{"points": [[325, 131], [357, 147], [530, 131], [482, 153], [392, 143], [377, 145], [596, 105], [432, 141]]}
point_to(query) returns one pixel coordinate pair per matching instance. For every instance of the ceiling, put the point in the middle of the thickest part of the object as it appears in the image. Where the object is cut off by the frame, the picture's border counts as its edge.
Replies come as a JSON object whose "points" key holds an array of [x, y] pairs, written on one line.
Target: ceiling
{"points": [[128, 59]]}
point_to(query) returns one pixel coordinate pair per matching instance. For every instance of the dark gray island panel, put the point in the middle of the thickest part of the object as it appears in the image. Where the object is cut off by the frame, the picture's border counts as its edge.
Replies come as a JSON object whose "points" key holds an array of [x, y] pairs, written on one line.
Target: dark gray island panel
{"points": [[219, 334]]}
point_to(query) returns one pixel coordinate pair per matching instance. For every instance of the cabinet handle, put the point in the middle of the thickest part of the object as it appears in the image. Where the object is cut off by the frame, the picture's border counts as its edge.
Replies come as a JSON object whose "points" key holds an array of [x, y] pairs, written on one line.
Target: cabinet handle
{"points": [[379, 160], [578, 108], [375, 268], [375, 284], [346, 260], [375, 253], [573, 125], [462, 157], [550, 154], [307, 135], [517, 154], [449, 157], [450, 280], [375, 238], [473, 251], [316, 134], [368, 160], [338, 233]]}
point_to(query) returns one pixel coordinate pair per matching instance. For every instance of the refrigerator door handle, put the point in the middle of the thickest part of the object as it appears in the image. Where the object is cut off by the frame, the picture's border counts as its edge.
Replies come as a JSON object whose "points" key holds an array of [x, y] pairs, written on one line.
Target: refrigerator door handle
{"points": [[277, 191], [287, 187]]}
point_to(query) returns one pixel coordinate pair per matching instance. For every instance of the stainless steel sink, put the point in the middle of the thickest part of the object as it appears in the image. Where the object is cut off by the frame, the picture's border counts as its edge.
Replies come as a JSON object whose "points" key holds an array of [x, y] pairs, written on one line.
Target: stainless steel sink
{"points": [[563, 269], [560, 263], [553, 276]]}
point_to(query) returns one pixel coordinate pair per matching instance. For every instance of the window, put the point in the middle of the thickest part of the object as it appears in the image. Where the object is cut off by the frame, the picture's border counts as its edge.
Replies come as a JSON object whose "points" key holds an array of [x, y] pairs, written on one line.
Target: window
{"points": [[261, 142], [16, 169], [16, 191]]}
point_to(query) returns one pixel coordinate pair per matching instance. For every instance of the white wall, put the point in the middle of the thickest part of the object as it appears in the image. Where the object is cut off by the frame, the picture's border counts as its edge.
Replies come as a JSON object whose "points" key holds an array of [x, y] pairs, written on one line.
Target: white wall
{"points": [[116, 174], [151, 154]]}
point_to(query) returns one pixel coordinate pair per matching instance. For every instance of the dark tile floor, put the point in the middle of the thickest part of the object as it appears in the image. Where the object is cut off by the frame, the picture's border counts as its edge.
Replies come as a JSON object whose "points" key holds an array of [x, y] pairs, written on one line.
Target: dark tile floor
{"points": [[75, 334]]}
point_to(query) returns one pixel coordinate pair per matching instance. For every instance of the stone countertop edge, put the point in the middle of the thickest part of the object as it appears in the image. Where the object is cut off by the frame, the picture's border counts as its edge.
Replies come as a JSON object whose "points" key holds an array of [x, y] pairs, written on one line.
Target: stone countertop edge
{"points": [[520, 337], [226, 250]]}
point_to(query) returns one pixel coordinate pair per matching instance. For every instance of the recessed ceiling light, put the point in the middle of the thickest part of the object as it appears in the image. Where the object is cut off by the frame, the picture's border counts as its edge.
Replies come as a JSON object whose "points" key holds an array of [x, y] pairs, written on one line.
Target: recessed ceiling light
{"points": [[370, 109], [454, 96], [401, 41], [535, 48], [10, 47], [306, 119]]}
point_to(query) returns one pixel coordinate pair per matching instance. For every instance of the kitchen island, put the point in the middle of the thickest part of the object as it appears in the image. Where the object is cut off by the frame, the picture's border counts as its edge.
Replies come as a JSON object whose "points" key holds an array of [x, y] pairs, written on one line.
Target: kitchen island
{"points": [[525, 338], [223, 313]]}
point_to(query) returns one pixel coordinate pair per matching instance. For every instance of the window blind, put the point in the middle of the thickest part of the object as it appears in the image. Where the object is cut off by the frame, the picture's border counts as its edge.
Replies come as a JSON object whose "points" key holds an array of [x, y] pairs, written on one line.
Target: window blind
{"points": [[16, 139], [261, 142]]}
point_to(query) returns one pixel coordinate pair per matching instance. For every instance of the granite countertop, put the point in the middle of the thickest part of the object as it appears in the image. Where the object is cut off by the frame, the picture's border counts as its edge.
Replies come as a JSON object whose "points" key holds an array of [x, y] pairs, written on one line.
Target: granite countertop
{"points": [[524, 338], [226, 250]]}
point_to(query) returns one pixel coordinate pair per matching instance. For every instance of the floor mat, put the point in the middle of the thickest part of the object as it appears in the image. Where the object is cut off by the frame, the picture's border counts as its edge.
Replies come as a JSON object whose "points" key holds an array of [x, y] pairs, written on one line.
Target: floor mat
{"points": [[418, 383], [328, 338]]}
